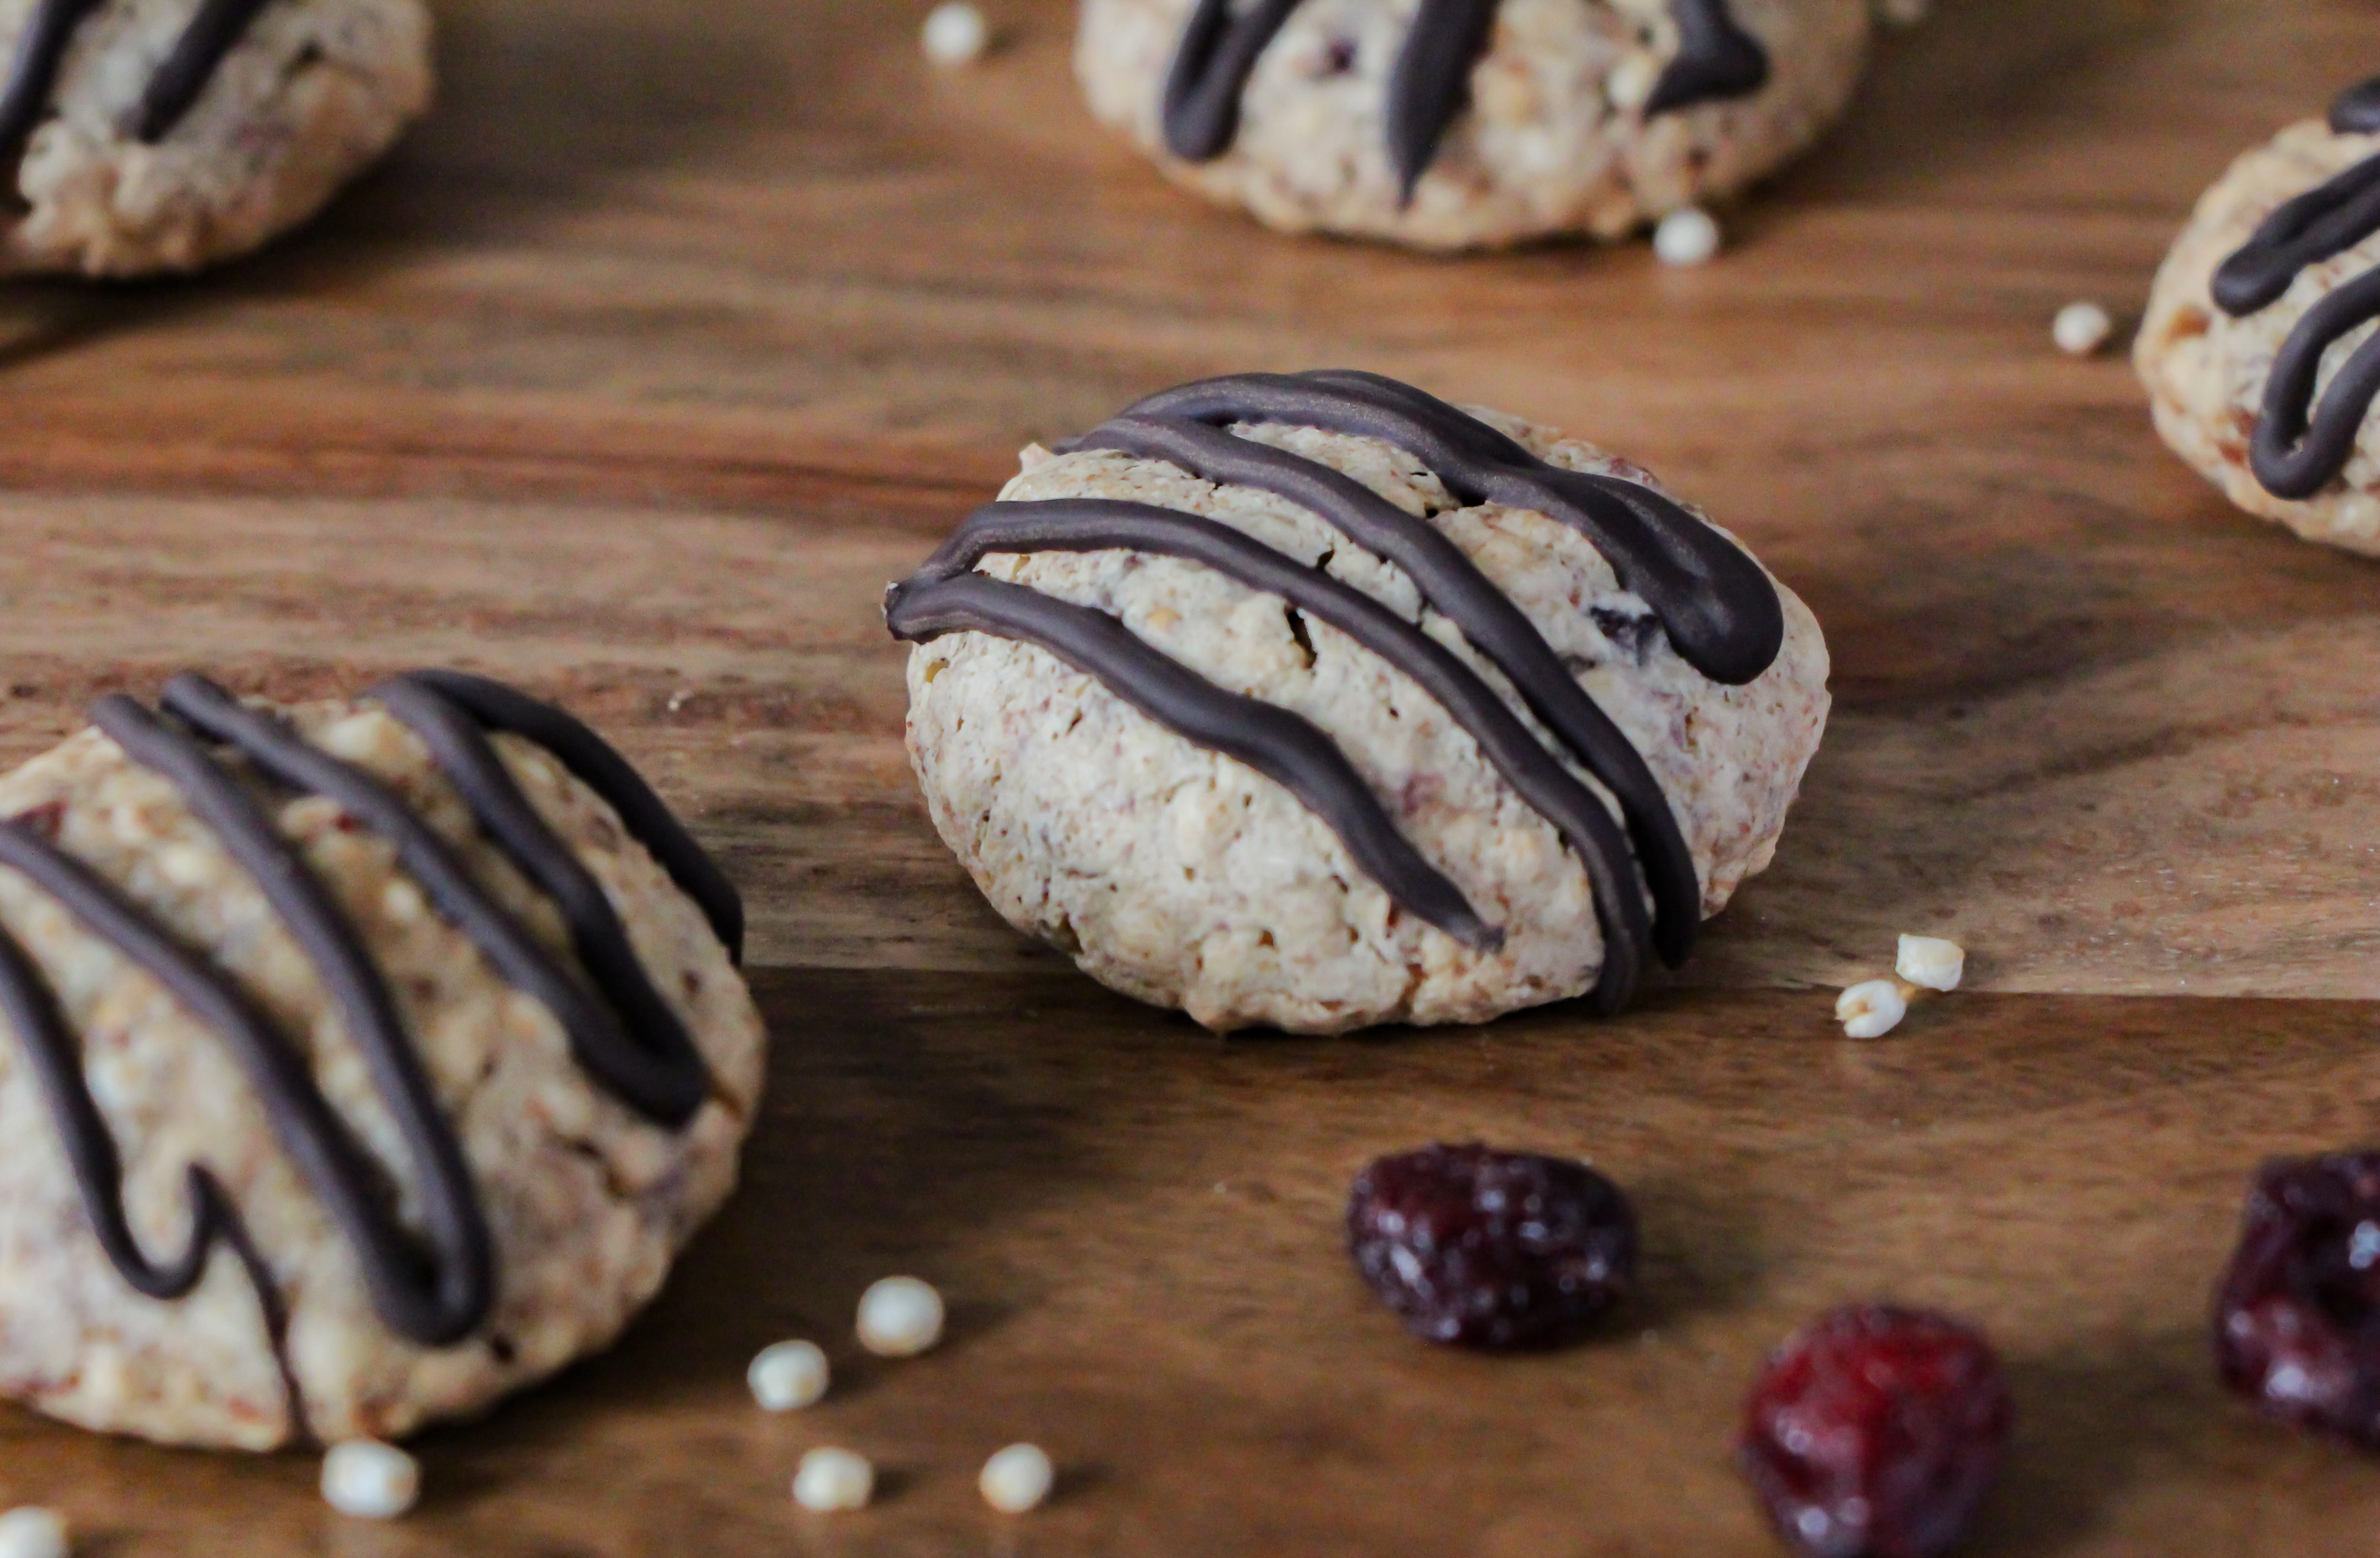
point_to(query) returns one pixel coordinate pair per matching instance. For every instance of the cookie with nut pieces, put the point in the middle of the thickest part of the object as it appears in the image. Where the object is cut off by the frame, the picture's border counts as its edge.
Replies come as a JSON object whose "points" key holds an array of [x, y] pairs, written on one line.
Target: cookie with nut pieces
{"points": [[364, 1059]]}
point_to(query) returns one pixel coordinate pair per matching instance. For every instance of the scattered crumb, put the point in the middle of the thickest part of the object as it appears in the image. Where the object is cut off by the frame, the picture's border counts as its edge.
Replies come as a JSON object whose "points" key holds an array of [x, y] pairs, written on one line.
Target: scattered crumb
{"points": [[1931, 962], [788, 1376], [1871, 1010], [955, 33], [1017, 1479], [900, 1317], [31, 1531], [832, 1478], [2081, 328], [371, 1481], [1689, 236]]}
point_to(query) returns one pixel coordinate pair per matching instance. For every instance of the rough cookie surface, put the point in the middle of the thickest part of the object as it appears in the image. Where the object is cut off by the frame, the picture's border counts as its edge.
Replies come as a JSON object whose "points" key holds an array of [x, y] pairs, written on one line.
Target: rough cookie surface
{"points": [[315, 91], [588, 1202], [1555, 140], [2205, 370], [1183, 877]]}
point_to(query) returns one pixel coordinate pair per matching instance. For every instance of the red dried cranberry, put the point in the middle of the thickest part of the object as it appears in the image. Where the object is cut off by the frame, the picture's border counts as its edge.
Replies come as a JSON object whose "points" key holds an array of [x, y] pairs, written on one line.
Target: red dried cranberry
{"points": [[1875, 1431], [1491, 1249], [2296, 1318]]}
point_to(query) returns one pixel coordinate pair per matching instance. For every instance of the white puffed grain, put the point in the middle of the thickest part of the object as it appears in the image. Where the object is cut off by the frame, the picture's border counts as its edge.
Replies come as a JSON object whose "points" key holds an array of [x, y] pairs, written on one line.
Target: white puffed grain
{"points": [[369, 1480], [900, 1317], [1930, 961], [2081, 328], [830, 1478], [954, 33], [1872, 1009], [788, 1376], [1902, 13], [1688, 236], [31, 1531], [1017, 1479]]}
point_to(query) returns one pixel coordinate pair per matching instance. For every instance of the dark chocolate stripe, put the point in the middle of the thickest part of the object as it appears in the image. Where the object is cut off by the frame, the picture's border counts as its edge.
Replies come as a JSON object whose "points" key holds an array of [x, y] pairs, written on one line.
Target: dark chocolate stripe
{"points": [[650, 1071], [1211, 70], [33, 72], [432, 1296], [1284, 748], [436, 1295], [661, 1074], [594, 762], [1086, 525], [1717, 58], [2356, 110], [2320, 224], [1716, 604], [1431, 79], [209, 39], [2297, 450], [40, 52], [31, 1008], [1452, 584]]}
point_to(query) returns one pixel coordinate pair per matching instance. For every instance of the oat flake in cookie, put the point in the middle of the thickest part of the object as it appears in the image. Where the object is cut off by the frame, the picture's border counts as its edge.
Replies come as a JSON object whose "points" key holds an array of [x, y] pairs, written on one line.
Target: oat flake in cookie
{"points": [[359, 1062], [2256, 348], [150, 136], [1311, 701], [1462, 124]]}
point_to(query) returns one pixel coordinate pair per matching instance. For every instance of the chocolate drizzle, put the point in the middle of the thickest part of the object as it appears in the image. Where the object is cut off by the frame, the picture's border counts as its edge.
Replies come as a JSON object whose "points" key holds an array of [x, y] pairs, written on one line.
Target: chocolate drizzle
{"points": [[1700, 587], [1430, 80], [1716, 59], [211, 35], [437, 1286], [2297, 450]]}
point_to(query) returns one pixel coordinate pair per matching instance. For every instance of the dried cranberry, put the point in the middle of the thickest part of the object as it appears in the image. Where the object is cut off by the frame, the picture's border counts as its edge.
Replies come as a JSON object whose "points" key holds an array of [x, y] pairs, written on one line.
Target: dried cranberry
{"points": [[1491, 1249], [1875, 1431], [2296, 1318]]}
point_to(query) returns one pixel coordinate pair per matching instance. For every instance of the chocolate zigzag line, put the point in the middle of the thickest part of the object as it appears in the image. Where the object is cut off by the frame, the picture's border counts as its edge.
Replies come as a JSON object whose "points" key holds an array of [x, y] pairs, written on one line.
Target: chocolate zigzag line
{"points": [[1431, 79], [1716, 604], [634, 1046], [2297, 450], [1453, 584], [210, 37]]}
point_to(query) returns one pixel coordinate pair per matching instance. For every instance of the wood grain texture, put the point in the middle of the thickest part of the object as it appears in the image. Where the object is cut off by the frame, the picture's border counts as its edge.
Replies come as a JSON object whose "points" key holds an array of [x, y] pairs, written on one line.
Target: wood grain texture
{"points": [[669, 342]]}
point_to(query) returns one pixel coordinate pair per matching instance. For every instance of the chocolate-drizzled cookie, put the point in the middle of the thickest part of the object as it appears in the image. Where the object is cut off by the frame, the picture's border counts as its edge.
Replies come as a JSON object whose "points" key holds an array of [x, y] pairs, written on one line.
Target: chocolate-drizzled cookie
{"points": [[141, 137], [367, 1059], [2277, 270], [1456, 123], [1345, 705]]}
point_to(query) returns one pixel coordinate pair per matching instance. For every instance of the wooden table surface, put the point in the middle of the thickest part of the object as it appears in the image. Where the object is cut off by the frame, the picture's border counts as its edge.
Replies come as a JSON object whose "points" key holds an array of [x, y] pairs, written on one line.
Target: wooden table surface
{"points": [[679, 332]]}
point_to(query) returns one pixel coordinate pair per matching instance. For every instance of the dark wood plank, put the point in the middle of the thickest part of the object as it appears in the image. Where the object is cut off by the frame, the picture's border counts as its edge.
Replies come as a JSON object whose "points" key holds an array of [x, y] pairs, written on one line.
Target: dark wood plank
{"points": [[1140, 1228]]}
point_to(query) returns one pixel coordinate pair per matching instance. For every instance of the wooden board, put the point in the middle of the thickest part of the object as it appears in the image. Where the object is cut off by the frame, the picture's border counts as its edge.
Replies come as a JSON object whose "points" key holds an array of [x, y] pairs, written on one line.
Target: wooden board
{"points": [[669, 342]]}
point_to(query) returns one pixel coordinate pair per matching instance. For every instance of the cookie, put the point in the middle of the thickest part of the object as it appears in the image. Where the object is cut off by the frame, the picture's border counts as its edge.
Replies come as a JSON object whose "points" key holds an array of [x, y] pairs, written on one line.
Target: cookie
{"points": [[153, 135], [362, 1061], [1464, 124], [1310, 701], [2250, 347]]}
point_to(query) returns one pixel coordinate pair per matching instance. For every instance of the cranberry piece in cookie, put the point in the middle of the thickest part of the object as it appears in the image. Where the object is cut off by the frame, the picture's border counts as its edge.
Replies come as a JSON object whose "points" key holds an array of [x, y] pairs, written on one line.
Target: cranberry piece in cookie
{"points": [[1492, 1250], [2296, 1318], [1875, 1431]]}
